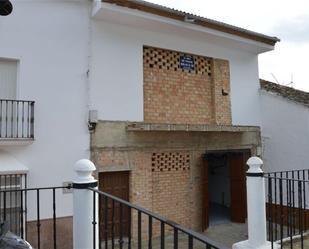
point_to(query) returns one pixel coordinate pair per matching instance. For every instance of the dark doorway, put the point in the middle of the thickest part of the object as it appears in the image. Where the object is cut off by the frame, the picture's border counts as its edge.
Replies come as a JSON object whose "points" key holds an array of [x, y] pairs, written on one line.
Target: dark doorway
{"points": [[117, 184], [225, 187]]}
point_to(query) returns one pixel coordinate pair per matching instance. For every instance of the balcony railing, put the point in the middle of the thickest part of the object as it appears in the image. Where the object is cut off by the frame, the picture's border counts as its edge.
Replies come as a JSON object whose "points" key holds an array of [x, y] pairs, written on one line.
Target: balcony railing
{"points": [[16, 119]]}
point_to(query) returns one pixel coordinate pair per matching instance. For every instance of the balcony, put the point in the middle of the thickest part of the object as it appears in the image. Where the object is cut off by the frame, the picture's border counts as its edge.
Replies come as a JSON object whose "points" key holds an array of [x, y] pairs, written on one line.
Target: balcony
{"points": [[16, 121]]}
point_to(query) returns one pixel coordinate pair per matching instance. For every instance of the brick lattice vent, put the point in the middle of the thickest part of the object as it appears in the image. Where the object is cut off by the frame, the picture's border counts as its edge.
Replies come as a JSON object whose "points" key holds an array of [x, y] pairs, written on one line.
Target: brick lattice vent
{"points": [[169, 60], [170, 161]]}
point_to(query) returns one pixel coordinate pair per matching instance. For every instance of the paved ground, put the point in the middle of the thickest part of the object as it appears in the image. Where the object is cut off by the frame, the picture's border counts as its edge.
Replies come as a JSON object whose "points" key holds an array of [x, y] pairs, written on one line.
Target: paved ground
{"points": [[218, 214], [169, 244], [228, 233]]}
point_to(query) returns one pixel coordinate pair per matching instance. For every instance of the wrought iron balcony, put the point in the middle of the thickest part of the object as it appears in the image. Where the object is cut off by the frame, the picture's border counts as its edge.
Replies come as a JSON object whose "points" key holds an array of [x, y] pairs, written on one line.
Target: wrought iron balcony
{"points": [[16, 119]]}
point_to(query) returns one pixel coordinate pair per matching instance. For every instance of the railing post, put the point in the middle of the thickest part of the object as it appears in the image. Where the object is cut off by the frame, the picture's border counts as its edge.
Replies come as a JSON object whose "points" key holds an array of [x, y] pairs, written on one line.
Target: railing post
{"points": [[256, 204], [32, 120], [83, 206]]}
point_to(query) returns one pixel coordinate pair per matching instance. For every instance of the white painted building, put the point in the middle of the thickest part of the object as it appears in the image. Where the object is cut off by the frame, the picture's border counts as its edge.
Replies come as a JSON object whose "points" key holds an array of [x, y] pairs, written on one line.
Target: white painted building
{"points": [[72, 56], [46, 46], [285, 127]]}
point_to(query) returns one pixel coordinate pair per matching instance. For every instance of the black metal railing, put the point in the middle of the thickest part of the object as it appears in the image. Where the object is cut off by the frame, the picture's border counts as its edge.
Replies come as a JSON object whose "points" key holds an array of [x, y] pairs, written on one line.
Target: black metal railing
{"points": [[287, 208], [125, 225], [22, 225], [16, 119], [135, 227]]}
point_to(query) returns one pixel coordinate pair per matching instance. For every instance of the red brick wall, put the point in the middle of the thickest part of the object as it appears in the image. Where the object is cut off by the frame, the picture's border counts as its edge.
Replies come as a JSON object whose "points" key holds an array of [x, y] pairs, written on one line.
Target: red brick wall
{"points": [[175, 95]]}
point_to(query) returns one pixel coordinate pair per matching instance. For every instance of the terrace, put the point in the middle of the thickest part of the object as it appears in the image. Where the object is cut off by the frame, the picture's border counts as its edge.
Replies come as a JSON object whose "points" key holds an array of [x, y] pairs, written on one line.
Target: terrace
{"points": [[283, 221]]}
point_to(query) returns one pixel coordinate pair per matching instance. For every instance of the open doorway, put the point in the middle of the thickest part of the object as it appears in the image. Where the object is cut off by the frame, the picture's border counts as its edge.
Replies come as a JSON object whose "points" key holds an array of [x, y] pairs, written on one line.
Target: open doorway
{"points": [[225, 187], [219, 189]]}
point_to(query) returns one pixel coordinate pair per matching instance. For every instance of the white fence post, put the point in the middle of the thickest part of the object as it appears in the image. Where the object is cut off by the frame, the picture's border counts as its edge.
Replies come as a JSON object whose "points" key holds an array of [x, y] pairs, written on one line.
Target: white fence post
{"points": [[83, 206], [256, 204]]}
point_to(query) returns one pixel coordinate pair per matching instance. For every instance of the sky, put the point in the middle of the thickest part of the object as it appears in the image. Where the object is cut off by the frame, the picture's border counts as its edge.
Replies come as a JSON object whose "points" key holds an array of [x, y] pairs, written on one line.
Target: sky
{"points": [[285, 19]]}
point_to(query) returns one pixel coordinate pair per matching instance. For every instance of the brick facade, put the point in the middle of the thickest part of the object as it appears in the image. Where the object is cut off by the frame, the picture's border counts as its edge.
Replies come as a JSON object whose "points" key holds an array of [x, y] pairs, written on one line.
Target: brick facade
{"points": [[166, 192], [176, 95], [166, 168]]}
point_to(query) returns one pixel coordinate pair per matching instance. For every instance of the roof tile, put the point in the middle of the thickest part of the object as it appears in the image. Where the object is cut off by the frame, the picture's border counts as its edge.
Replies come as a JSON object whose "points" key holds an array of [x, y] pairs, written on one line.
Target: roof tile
{"points": [[286, 92]]}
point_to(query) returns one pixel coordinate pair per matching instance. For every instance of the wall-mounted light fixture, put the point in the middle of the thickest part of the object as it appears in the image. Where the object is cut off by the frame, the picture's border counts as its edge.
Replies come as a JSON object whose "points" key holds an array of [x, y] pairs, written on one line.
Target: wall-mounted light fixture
{"points": [[6, 7]]}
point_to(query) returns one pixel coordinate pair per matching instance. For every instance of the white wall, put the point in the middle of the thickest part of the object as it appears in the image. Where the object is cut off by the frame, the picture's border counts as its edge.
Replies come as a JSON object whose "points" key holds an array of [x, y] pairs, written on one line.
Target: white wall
{"points": [[285, 132], [50, 40], [117, 71]]}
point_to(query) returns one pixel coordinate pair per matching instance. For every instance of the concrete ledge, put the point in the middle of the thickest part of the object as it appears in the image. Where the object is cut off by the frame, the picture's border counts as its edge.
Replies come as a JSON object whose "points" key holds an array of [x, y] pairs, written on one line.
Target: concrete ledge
{"points": [[141, 126], [140, 135], [15, 141]]}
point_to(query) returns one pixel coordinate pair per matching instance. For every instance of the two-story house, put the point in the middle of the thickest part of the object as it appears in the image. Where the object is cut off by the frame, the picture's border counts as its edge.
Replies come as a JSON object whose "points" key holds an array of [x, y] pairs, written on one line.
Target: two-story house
{"points": [[164, 102]]}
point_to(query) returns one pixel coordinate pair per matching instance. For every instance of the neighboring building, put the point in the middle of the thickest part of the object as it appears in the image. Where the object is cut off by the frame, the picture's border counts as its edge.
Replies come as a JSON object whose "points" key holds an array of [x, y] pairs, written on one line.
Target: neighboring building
{"points": [[44, 48], [176, 95], [285, 127]]}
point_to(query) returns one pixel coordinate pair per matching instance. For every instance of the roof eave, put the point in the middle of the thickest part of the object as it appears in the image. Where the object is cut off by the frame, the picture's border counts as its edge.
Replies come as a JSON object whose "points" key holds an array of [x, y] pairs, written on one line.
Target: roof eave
{"points": [[197, 20]]}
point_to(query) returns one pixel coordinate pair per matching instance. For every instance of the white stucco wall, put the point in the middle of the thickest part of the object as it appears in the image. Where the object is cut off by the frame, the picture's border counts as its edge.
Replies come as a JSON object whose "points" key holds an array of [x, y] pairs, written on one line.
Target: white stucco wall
{"points": [[117, 71], [285, 133], [49, 38]]}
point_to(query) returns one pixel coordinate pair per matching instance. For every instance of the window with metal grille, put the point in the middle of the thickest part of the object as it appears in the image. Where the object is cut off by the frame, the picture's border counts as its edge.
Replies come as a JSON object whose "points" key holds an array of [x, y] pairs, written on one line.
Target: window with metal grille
{"points": [[12, 202]]}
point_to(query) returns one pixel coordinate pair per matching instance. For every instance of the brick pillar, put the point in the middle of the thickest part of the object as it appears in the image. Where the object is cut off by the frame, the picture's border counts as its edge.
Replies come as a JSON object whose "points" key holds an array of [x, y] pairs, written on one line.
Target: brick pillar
{"points": [[221, 92]]}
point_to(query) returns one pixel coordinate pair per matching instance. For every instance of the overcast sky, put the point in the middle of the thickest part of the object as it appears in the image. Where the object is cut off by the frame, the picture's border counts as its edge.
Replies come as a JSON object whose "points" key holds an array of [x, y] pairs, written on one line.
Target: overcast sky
{"points": [[288, 20]]}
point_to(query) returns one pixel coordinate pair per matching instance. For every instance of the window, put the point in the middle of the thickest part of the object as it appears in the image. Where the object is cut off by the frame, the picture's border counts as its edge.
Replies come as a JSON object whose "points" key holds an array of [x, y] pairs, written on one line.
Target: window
{"points": [[8, 79], [12, 202]]}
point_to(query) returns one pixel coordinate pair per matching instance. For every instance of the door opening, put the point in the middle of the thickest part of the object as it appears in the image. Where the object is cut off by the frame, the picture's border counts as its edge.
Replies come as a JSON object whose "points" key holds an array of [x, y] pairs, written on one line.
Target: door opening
{"points": [[219, 189], [225, 187]]}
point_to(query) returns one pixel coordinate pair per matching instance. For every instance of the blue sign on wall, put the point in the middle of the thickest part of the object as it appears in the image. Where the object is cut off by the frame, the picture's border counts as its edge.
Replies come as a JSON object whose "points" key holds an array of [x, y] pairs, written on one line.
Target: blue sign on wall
{"points": [[187, 62]]}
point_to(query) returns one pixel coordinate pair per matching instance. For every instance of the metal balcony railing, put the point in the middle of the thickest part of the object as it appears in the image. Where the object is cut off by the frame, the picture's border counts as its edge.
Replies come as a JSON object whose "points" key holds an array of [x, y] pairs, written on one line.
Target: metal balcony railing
{"points": [[16, 119]]}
